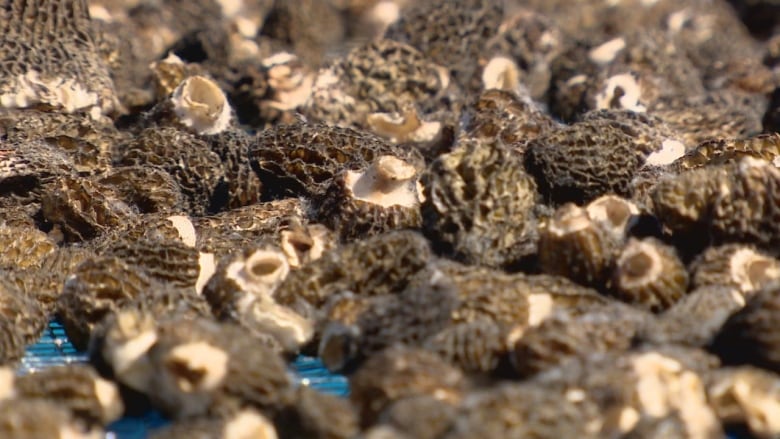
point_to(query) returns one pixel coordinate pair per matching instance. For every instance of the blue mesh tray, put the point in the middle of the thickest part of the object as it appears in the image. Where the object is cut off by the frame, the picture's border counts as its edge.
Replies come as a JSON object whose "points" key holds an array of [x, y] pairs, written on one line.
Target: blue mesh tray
{"points": [[55, 349]]}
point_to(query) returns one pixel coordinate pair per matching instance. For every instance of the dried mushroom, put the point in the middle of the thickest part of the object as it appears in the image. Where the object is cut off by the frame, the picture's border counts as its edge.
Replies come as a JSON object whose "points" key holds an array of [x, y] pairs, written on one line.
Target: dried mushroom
{"points": [[97, 287], [377, 199], [55, 62], [187, 158], [398, 373], [749, 336], [649, 274], [301, 159], [76, 387], [374, 266], [478, 205], [564, 336]]}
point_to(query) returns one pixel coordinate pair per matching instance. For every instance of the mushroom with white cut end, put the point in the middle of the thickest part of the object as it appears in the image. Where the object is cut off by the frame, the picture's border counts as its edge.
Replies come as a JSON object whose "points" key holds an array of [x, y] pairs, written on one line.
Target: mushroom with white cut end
{"points": [[649, 274], [571, 244], [735, 265], [55, 62], [384, 196], [197, 104], [201, 106], [242, 291], [405, 126]]}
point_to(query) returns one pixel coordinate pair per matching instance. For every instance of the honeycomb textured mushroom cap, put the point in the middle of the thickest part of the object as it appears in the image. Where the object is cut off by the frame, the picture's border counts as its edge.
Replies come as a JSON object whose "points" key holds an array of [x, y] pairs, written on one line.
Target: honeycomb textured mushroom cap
{"points": [[477, 205], [696, 318], [424, 416], [401, 372], [188, 158], [564, 336], [583, 161], [382, 76], [522, 410], [97, 287], [748, 336], [374, 266], [301, 159], [78, 388], [55, 61], [24, 319], [21, 418], [318, 415], [449, 33]]}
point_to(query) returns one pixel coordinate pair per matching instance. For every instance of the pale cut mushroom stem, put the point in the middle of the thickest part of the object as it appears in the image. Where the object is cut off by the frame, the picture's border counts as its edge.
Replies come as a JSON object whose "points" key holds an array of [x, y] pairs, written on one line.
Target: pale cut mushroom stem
{"points": [[640, 264], [132, 338], [612, 210], [391, 173], [197, 366], [569, 218], [200, 105], [249, 424], [385, 125], [387, 182], [501, 73], [303, 246], [751, 270], [761, 271], [406, 126], [107, 394], [260, 273], [613, 214], [265, 270], [289, 328], [7, 378], [267, 265]]}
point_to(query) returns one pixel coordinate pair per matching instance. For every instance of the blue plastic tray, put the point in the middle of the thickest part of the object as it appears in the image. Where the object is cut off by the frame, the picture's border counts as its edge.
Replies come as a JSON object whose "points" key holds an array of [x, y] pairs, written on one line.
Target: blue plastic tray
{"points": [[55, 349]]}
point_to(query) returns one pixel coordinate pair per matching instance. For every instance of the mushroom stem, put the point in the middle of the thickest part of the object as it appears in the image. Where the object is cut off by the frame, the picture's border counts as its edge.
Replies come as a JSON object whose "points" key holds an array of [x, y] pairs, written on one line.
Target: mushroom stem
{"points": [[200, 105], [386, 175], [390, 127], [640, 263], [267, 268], [501, 73], [570, 218]]}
